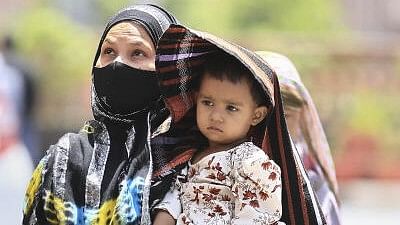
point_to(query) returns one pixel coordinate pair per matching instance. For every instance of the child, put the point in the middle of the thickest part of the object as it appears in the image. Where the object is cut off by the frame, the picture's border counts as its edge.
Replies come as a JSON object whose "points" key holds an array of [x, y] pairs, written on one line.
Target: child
{"points": [[230, 180], [222, 186]]}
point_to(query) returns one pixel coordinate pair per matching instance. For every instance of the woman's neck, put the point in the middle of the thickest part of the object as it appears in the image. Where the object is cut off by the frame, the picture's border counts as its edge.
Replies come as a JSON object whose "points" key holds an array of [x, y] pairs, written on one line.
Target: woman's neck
{"points": [[117, 132]]}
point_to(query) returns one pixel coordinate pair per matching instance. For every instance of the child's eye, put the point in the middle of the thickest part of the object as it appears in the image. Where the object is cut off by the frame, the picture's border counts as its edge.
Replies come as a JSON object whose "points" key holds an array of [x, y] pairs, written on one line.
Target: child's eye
{"points": [[232, 108], [207, 103]]}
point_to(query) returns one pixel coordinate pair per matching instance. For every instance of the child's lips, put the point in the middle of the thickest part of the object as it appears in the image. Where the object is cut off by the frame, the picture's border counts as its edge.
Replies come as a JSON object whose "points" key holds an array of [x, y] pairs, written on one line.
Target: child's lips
{"points": [[212, 128]]}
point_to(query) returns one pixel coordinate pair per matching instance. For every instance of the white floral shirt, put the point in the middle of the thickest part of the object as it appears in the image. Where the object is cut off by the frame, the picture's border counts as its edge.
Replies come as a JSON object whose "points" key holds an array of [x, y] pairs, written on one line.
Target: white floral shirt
{"points": [[237, 186]]}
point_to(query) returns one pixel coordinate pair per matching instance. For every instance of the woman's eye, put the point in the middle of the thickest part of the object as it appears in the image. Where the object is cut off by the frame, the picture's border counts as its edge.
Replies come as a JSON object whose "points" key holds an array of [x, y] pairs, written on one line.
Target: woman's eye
{"points": [[232, 108], [108, 51], [139, 53], [207, 103]]}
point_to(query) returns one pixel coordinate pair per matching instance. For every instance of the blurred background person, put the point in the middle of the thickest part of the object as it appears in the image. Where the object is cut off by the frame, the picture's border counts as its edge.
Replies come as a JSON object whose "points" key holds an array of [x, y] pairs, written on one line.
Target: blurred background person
{"points": [[28, 130], [308, 134], [15, 162]]}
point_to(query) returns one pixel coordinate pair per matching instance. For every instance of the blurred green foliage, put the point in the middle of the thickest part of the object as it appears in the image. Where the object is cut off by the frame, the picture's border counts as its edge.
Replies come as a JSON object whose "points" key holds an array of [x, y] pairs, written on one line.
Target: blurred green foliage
{"points": [[376, 114], [61, 50], [227, 17], [108, 8], [297, 28], [369, 113]]}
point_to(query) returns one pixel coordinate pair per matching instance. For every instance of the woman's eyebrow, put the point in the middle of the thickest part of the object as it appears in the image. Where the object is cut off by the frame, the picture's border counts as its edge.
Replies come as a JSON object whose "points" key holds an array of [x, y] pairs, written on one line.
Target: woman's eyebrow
{"points": [[138, 42], [109, 40]]}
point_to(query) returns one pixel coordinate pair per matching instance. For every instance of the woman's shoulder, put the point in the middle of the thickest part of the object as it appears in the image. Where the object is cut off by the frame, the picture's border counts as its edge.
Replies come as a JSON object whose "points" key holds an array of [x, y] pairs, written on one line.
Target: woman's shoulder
{"points": [[64, 163], [83, 139], [75, 148]]}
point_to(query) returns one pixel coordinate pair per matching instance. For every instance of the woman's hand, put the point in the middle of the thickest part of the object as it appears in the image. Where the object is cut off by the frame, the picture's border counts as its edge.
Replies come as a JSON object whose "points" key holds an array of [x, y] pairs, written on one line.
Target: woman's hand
{"points": [[163, 218]]}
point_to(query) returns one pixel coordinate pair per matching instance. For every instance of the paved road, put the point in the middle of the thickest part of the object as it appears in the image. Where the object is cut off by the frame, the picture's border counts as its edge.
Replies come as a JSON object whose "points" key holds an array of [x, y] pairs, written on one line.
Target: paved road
{"points": [[367, 202]]}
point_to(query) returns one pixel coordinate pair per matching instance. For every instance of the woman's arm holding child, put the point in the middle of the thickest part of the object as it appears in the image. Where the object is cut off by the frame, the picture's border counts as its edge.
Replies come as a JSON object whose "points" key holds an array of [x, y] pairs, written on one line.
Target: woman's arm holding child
{"points": [[168, 210]]}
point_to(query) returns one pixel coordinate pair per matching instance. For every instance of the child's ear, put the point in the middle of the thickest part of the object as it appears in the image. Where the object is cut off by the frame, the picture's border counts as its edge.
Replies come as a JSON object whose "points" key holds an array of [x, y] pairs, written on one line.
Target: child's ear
{"points": [[259, 114]]}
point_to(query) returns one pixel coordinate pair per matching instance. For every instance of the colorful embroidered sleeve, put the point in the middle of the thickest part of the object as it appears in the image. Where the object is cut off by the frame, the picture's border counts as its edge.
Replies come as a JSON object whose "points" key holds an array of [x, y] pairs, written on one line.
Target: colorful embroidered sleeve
{"points": [[32, 195], [258, 190]]}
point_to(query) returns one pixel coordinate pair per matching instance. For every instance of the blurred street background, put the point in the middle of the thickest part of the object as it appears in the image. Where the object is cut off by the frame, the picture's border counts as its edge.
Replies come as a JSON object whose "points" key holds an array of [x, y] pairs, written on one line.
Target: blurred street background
{"points": [[347, 52]]}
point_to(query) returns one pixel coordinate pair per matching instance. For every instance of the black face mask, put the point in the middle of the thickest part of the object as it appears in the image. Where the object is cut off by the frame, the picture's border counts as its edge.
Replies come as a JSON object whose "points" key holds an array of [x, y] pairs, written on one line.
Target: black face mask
{"points": [[123, 89]]}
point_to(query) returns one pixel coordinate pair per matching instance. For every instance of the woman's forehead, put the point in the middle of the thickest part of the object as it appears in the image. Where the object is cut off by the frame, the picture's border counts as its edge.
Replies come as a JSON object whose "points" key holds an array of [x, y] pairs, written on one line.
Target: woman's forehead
{"points": [[128, 29]]}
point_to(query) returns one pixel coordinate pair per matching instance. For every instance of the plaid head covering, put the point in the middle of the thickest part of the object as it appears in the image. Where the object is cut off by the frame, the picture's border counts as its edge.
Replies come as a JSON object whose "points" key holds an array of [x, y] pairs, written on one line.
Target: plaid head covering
{"points": [[180, 55]]}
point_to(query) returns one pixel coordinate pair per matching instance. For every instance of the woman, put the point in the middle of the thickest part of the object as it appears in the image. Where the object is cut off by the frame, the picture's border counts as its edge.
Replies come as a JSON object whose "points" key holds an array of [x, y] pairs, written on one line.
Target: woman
{"points": [[180, 55], [308, 135], [103, 174]]}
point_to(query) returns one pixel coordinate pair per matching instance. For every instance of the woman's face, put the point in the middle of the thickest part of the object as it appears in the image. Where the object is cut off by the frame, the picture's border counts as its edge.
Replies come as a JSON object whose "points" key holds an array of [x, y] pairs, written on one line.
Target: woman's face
{"points": [[129, 43]]}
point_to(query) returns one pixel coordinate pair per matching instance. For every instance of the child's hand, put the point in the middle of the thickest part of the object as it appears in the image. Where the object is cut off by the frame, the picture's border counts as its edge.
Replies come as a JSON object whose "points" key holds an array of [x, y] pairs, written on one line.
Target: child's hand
{"points": [[163, 218]]}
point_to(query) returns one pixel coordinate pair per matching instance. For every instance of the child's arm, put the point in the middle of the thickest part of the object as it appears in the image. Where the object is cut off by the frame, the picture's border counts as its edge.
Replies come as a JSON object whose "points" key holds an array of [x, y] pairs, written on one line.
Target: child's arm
{"points": [[257, 189], [168, 210], [163, 218]]}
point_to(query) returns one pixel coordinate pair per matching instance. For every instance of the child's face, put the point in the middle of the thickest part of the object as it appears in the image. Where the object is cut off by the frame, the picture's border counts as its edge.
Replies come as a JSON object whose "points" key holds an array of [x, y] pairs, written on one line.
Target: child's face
{"points": [[226, 111]]}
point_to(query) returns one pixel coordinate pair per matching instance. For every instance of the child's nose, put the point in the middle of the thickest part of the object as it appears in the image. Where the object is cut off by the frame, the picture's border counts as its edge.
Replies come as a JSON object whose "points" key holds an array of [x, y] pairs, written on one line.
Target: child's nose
{"points": [[216, 116]]}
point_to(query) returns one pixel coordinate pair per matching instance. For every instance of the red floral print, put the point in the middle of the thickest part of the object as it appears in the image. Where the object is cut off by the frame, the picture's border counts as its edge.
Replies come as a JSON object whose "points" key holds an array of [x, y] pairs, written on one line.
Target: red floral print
{"points": [[238, 186]]}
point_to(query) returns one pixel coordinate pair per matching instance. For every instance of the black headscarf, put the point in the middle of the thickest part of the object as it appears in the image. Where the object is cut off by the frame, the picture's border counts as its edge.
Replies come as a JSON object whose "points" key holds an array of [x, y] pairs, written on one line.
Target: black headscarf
{"points": [[155, 20]]}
